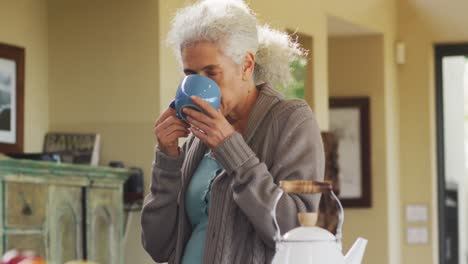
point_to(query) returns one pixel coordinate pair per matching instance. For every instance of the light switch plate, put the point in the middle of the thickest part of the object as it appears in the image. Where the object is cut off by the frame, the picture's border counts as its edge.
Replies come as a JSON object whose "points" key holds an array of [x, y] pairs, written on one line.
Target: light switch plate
{"points": [[417, 213], [417, 235]]}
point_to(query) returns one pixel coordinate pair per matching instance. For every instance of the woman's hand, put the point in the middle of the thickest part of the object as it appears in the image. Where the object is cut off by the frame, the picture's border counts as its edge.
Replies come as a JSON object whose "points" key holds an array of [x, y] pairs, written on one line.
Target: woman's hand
{"points": [[211, 128], [168, 129]]}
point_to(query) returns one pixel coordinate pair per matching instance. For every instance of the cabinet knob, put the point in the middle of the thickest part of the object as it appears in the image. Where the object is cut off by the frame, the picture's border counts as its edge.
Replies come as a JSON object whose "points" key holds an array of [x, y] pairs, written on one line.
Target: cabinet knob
{"points": [[26, 207]]}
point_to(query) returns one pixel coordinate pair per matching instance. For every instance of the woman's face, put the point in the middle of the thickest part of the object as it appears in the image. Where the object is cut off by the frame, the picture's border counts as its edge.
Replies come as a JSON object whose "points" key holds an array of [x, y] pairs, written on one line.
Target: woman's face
{"points": [[205, 58]]}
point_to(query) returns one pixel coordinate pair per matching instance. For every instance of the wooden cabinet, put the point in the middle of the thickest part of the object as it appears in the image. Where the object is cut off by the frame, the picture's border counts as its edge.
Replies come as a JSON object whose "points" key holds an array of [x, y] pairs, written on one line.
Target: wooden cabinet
{"points": [[105, 225], [63, 212], [65, 225]]}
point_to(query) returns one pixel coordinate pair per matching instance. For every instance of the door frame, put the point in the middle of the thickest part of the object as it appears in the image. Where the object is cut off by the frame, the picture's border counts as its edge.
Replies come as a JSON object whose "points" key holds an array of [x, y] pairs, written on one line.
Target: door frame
{"points": [[442, 50]]}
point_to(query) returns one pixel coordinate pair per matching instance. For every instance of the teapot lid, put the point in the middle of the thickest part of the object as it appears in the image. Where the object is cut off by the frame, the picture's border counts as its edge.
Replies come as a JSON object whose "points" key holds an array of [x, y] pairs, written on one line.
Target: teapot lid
{"points": [[309, 233]]}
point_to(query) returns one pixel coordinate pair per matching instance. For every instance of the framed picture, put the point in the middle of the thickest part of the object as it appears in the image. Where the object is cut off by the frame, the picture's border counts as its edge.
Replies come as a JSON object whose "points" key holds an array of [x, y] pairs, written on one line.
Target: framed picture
{"points": [[349, 123], [11, 98]]}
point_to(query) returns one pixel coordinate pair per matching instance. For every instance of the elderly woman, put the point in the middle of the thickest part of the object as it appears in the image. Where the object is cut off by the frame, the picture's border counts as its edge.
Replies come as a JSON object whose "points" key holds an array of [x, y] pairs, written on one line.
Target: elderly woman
{"points": [[211, 200]]}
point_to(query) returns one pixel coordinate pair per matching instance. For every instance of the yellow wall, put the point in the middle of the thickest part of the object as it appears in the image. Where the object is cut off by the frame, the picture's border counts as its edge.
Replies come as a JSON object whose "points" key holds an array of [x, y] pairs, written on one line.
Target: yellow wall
{"points": [[170, 71], [109, 73], [381, 17], [24, 23], [104, 77], [356, 69], [420, 25]]}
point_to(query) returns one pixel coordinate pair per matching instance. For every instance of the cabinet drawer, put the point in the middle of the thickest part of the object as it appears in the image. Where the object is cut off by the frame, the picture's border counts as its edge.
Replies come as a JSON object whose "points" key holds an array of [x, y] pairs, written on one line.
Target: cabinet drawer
{"points": [[34, 242], [25, 204]]}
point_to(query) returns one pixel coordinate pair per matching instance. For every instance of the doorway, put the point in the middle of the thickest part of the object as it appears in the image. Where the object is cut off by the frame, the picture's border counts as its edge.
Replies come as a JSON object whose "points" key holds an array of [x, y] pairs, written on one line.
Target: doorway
{"points": [[451, 66]]}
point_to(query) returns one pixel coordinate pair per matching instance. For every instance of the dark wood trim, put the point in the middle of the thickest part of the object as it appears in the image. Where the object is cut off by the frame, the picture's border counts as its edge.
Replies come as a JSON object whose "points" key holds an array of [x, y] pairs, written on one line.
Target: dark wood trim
{"points": [[363, 104], [440, 152], [18, 55], [441, 51], [84, 223]]}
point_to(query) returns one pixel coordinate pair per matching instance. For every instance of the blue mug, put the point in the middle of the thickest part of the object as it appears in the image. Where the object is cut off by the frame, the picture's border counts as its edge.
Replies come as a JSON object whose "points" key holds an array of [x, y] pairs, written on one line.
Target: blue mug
{"points": [[195, 85]]}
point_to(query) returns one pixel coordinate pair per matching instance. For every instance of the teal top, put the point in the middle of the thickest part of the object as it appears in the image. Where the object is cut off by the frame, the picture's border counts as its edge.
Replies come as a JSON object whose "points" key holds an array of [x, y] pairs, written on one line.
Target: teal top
{"points": [[196, 204]]}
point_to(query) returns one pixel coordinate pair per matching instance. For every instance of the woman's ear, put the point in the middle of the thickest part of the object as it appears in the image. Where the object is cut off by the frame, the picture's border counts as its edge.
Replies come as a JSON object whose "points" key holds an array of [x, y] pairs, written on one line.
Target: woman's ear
{"points": [[248, 66]]}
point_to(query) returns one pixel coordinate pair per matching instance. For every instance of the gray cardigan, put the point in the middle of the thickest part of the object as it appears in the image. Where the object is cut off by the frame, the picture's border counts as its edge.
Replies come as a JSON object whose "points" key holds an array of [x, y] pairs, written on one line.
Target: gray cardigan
{"points": [[281, 142]]}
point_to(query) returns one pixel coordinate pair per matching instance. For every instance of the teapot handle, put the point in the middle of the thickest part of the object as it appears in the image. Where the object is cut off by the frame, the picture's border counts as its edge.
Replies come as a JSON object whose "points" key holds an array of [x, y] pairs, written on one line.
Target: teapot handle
{"points": [[339, 227], [302, 186], [277, 237]]}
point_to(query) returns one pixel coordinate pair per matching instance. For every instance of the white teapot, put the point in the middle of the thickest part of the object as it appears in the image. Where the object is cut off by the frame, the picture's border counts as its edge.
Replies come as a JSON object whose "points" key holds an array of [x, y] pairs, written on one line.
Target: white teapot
{"points": [[310, 244]]}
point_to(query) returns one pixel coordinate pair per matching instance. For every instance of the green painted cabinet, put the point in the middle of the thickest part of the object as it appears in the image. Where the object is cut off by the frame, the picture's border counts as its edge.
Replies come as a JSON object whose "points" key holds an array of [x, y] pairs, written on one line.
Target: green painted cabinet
{"points": [[65, 223], [62, 211], [104, 225]]}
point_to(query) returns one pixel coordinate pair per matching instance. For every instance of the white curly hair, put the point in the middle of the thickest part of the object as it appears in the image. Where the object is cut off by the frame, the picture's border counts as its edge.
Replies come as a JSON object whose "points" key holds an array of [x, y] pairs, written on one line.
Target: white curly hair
{"points": [[232, 25]]}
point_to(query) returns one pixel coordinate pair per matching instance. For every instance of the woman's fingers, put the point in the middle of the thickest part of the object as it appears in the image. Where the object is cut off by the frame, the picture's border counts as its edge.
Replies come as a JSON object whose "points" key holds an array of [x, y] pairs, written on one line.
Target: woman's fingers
{"points": [[211, 128], [177, 134], [202, 126], [205, 106], [166, 114], [197, 116], [171, 121], [168, 129], [164, 132], [174, 128], [199, 134]]}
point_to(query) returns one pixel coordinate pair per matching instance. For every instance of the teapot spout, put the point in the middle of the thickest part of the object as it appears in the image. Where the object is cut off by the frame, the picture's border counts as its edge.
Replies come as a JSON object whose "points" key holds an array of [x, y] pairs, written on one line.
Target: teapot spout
{"points": [[356, 252]]}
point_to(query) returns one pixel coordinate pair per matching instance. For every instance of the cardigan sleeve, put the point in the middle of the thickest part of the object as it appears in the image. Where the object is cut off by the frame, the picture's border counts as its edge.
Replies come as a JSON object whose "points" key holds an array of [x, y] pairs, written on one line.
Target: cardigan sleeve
{"points": [[298, 156], [160, 208]]}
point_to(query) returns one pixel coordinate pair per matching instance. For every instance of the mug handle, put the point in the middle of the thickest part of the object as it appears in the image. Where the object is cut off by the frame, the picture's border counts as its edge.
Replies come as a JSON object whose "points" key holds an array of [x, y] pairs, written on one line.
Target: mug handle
{"points": [[180, 114], [172, 104]]}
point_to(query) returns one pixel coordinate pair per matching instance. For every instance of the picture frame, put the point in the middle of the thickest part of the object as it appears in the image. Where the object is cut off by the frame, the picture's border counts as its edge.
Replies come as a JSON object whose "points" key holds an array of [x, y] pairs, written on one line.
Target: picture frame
{"points": [[11, 98], [350, 123]]}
